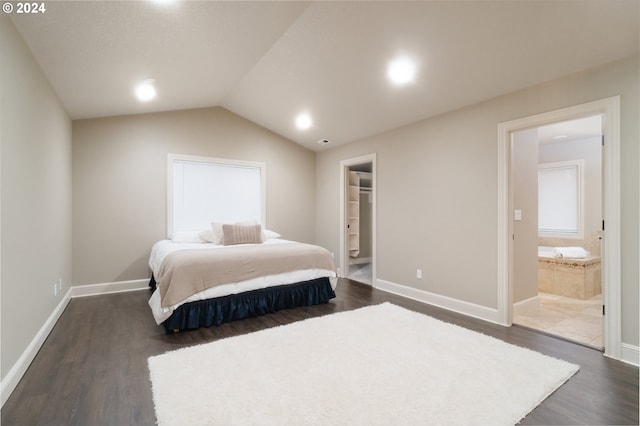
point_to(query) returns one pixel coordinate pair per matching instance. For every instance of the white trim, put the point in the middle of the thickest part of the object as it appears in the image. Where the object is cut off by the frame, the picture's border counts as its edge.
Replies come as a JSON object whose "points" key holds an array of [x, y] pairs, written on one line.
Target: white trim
{"points": [[523, 307], [630, 354], [14, 375], [611, 262], [455, 305], [343, 266], [505, 227], [107, 288], [3, 392]]}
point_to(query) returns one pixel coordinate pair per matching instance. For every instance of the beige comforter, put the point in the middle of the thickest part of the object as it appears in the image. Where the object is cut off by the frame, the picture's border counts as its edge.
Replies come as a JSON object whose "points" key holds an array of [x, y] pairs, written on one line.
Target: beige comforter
{"points": [[187, 272]]}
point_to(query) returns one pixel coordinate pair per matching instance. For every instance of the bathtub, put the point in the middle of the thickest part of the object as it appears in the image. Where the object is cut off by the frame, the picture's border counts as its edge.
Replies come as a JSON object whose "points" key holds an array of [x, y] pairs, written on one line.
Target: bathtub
{"points": [[576, 278]]}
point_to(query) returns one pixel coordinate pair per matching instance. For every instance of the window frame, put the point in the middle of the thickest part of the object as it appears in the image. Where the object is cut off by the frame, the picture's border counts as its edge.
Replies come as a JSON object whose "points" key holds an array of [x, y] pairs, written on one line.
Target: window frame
{"points": [[173, 158]]}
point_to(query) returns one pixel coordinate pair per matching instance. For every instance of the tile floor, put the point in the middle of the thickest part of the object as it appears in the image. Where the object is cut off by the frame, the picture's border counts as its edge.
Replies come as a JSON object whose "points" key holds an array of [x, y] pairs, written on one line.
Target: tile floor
{"points": [[573, 319]]}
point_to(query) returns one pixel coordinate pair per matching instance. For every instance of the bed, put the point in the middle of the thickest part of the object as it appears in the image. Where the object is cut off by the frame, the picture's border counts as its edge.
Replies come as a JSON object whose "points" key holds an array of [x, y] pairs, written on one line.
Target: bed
{"points": [[200, 284]]}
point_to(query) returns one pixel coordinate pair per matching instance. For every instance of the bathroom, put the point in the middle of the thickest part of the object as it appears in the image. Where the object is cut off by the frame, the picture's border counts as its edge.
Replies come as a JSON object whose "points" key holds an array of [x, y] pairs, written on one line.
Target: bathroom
{"points": [[557, 228]]}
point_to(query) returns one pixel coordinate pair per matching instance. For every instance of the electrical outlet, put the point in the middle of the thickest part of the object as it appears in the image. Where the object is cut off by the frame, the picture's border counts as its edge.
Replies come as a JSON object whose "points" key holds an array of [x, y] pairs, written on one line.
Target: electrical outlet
{"points": [[419, 274], [59, 283], [55, 289]]}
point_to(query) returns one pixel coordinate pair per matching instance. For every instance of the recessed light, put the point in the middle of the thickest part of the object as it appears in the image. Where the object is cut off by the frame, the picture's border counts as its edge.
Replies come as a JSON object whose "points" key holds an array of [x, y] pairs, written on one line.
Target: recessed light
{"points": [[303, 121], [401, 70], [146, 90], [560, 137]]}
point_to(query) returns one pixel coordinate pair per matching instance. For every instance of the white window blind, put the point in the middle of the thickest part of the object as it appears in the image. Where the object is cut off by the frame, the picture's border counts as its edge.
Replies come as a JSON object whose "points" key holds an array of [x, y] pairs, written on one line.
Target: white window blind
{"points": [[204, 190], [560, 198]]}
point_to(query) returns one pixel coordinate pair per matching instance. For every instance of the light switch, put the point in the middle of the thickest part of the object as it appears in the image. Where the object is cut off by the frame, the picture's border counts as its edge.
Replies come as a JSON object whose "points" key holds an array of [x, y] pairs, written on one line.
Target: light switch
{"points": [[517, 215]]}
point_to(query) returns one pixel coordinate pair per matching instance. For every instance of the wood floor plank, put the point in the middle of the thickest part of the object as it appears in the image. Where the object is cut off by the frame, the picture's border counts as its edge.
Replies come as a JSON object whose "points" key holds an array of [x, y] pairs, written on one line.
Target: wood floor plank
{"points": [[92, 369]]}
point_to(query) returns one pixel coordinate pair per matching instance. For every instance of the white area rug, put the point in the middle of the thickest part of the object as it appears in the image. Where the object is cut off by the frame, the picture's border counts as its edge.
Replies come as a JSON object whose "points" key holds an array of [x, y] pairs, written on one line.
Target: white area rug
{"points": [[379, 365]]}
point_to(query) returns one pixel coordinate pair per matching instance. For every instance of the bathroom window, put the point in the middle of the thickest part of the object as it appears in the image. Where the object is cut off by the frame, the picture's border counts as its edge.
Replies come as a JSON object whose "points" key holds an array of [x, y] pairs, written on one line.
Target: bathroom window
{"points": [[202, 190], [560, 199]]}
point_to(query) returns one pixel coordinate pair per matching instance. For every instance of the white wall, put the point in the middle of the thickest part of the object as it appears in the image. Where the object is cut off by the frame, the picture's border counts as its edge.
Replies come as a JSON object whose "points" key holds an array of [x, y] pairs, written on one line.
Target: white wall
{"points": [[36, 196], [437, 190]]}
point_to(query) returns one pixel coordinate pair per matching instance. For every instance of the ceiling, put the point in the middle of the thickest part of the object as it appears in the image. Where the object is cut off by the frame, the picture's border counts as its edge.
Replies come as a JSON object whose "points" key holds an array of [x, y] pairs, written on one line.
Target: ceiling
{"points": [[268, 61], [571, 130]]}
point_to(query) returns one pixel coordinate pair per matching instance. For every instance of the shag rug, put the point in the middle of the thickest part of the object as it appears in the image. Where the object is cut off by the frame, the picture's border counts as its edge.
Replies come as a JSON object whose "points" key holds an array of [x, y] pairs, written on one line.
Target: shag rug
{"points": [[379, 365]]}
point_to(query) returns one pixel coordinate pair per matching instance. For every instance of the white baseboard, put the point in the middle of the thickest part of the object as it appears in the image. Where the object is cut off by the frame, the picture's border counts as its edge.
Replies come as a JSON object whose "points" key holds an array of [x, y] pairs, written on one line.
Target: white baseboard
{"points": [[106, 288], [14, 375], [460, 306], [630, 354], [528, 305]]}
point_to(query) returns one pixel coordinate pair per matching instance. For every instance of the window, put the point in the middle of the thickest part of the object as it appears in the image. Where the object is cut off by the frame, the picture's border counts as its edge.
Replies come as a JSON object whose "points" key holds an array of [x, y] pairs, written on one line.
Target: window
{"points": [[560, 199], [202, 190]]}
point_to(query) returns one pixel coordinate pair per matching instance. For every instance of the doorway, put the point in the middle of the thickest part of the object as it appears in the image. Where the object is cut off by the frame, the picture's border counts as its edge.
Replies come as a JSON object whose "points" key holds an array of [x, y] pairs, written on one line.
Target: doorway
{"points": [[611, 242], [557, 228], [358, 217]]}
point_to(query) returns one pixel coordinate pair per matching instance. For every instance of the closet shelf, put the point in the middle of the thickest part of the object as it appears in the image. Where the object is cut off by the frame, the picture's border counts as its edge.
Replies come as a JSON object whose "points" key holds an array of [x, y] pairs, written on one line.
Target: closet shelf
{"points": [[354, 213]]}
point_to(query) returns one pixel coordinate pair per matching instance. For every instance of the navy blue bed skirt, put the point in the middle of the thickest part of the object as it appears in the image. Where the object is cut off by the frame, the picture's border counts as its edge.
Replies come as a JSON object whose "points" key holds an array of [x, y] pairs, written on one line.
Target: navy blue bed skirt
{"points": [[205, 313]]}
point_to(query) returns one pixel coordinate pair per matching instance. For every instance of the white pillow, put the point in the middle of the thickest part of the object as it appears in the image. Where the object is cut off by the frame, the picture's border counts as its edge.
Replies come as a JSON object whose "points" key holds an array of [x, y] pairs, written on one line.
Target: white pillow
{"points": [[186, 237], [216, 235], [206, 235], [268, 234]]}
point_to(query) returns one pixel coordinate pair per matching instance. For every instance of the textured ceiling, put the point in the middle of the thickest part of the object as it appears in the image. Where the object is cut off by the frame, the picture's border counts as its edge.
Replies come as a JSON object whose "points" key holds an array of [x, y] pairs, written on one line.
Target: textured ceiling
{"points": [[268, 61]]}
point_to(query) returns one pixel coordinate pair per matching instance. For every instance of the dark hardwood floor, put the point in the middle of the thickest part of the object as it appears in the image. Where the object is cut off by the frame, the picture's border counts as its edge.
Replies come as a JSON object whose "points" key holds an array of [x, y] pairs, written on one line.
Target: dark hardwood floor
{"points": [[92, 370]]}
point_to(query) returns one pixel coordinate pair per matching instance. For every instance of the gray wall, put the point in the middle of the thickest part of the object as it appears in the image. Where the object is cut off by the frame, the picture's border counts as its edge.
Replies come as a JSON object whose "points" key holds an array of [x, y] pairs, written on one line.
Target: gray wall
{"points": [[36, 196], [524, 155], [119, 183], [437, 189]]}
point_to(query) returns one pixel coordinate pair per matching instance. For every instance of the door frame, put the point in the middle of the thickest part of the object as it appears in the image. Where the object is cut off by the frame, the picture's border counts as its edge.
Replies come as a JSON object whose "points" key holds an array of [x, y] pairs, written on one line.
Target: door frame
{"points": [[344, 180], [611, 256]]}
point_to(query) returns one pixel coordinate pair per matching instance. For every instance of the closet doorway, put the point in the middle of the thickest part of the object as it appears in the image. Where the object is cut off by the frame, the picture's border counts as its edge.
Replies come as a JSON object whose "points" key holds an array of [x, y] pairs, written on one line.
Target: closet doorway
{"points": [[358, 215]]}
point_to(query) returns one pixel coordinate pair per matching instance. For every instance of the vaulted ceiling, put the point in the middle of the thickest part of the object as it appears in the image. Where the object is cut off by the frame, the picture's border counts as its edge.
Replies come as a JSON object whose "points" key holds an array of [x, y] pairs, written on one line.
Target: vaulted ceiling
{"points": [[268, 61]]}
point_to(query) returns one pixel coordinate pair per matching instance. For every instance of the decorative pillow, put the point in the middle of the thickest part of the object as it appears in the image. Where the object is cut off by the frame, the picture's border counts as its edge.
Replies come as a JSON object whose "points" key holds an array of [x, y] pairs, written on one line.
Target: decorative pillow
{"points": [[216, 236], [241, 234]]}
